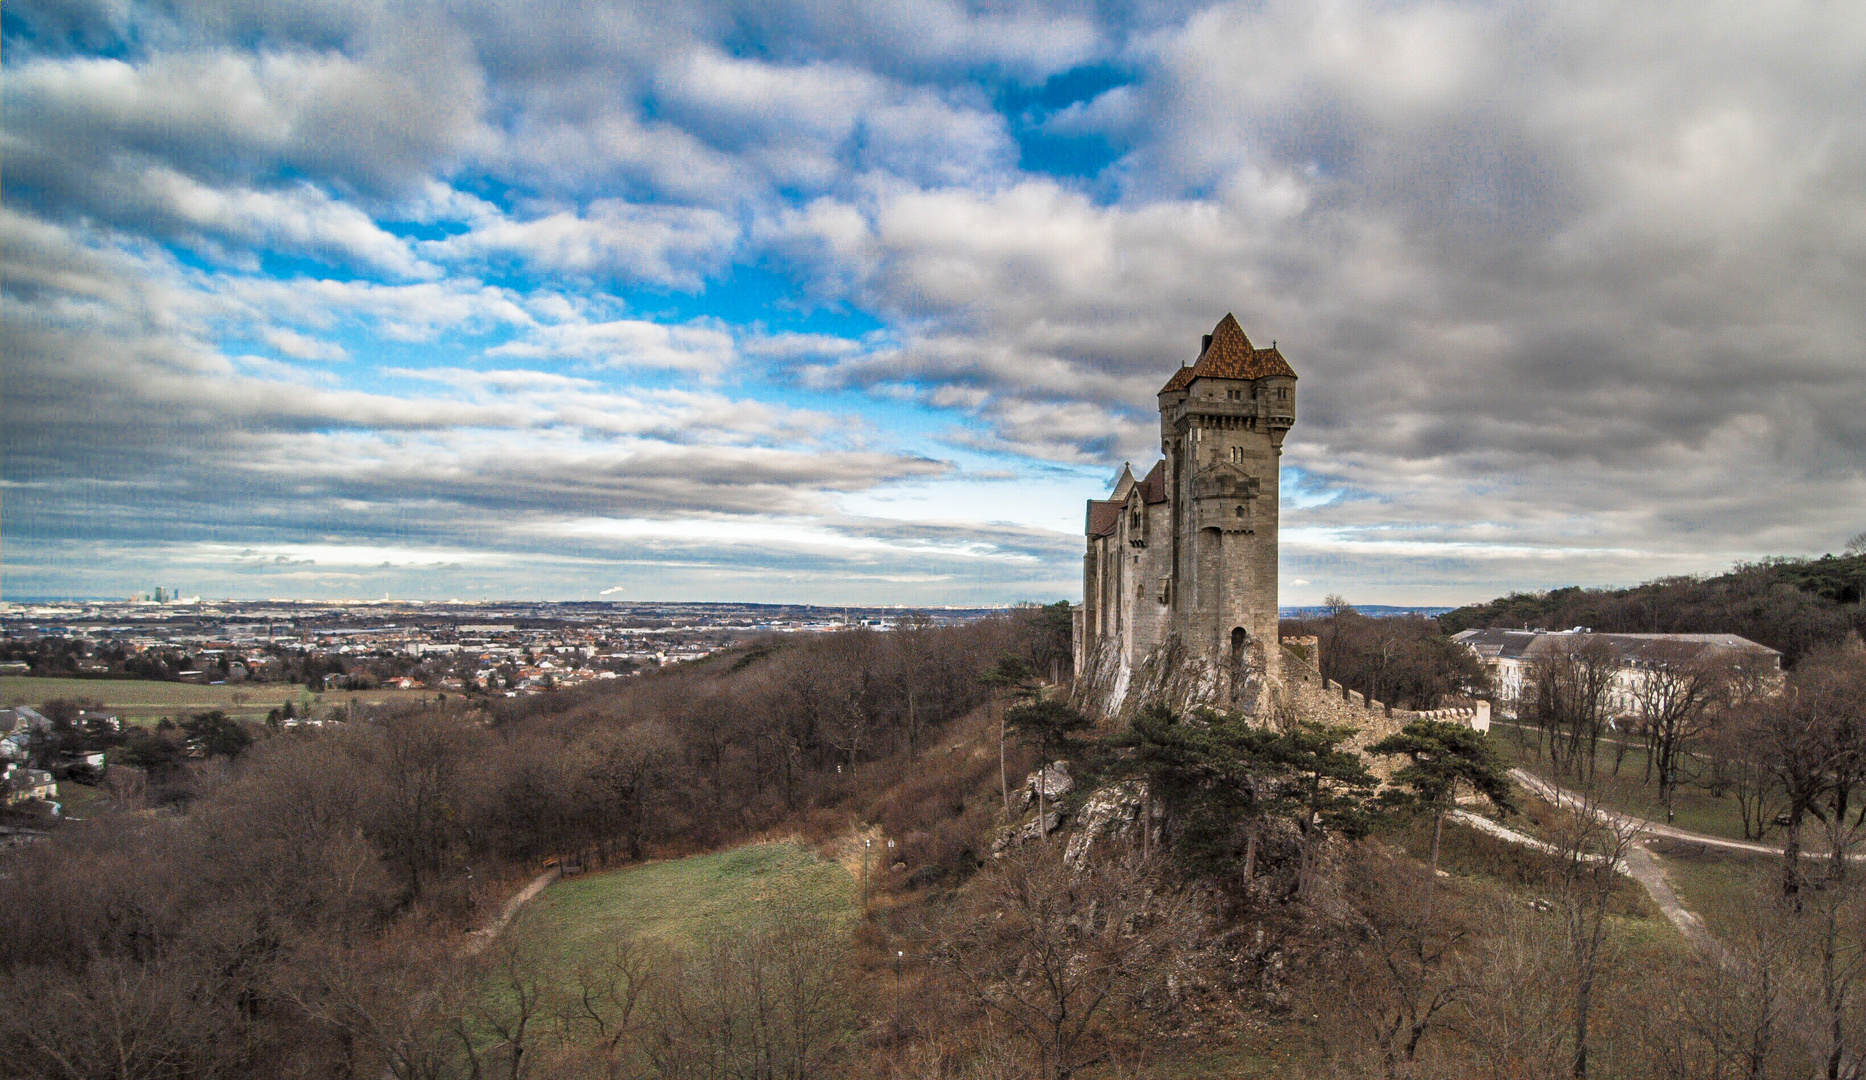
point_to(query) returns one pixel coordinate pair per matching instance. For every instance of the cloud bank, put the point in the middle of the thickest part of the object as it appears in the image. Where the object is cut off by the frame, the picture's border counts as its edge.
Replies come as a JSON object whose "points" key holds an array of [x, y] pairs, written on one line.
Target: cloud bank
{"points": [[858, 301]]}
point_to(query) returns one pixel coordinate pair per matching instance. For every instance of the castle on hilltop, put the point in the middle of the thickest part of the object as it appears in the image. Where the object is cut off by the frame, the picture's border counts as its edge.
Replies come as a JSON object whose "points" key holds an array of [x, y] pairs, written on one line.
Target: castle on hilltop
{"points": [[1179, 580]]}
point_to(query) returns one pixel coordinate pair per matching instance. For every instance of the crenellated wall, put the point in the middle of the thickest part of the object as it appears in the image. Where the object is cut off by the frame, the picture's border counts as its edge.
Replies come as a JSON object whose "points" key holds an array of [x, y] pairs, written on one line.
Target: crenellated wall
{"points": [[1327, 701]]}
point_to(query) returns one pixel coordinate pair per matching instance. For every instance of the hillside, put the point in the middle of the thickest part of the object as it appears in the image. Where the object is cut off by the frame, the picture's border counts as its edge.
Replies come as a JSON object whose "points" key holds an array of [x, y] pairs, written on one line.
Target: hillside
{"points": [[1793, 605], [820, 856]]}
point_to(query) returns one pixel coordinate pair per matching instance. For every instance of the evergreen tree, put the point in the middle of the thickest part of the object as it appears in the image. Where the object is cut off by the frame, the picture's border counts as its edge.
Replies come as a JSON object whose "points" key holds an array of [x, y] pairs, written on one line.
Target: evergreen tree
{"points": [[1443, 757]]}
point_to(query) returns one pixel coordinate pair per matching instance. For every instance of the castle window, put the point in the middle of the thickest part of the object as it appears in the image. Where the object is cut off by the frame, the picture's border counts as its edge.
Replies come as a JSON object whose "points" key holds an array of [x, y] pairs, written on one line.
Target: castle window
{"points": [[1237, 454], [1234, 395]]}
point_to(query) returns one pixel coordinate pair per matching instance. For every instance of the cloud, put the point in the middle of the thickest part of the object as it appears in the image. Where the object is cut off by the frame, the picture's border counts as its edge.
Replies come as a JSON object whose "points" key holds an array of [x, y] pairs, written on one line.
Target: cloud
{"points": [[1572, 290], [378, 121], [676, 246], [702, 348]]}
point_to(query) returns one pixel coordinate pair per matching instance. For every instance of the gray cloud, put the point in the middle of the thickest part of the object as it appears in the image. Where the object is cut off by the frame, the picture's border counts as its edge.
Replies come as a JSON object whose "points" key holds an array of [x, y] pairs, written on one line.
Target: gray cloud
{"points": [[124, 425], [1581, 271], [1574, 290]]}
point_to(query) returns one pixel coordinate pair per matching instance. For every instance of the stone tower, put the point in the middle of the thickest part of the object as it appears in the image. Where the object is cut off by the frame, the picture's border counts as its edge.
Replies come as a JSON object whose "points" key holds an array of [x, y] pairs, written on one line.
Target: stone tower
{"points": [[1179, 582]]}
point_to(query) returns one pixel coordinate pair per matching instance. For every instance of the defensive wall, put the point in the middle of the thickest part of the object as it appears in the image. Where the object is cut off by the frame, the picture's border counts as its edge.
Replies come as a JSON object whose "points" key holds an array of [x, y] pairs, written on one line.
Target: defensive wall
{"points": [[1326, 701]]}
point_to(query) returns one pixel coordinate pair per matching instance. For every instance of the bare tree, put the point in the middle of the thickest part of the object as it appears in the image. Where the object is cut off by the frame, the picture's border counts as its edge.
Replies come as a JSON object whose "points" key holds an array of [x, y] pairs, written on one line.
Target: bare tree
{"points": [[505, 1014], [1675, 692], [392, 1002], [597, 1013], [760, 1002], [1400, 979], [1812, 740], [1051, 950], [1738, 1005], [1590, 851], [1834, 931], [1742, 768], [1514, 1022], [1569, 694]]}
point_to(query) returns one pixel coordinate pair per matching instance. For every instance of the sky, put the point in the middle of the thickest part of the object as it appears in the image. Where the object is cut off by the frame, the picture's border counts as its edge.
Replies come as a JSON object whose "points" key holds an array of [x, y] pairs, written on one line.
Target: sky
{"points": [[857, 302]]}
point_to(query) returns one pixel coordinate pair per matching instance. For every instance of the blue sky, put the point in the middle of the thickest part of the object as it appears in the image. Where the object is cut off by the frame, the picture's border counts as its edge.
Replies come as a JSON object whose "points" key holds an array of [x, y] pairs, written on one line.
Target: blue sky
{"points": [[853, 302]]}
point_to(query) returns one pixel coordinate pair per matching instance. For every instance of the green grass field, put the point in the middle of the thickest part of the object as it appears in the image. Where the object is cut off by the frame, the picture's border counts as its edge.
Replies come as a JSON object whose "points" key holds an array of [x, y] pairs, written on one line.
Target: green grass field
{"points": [[82, 800], [677, 903], [139, 700], [1718, 886], [1698, 810]]}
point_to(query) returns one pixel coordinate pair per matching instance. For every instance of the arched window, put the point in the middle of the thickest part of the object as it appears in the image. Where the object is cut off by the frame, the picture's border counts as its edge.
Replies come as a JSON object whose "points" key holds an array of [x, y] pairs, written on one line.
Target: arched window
{"points": [[1239, 640]]}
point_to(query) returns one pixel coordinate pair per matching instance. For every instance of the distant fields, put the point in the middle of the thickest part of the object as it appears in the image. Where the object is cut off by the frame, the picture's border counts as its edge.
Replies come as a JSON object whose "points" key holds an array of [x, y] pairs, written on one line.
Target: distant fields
{"points": [[678, 903], [149, 699]]}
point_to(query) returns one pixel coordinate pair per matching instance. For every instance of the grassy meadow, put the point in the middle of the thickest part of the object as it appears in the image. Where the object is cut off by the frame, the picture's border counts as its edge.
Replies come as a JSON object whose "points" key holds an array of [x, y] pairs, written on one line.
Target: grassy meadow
{"points": [[679, 902], [147, 700], [1698, 810]]}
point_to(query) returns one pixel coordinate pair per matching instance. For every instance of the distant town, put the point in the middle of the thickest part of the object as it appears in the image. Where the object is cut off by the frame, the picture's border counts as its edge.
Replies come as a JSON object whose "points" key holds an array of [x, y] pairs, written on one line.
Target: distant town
{"points": [[506, 648]]}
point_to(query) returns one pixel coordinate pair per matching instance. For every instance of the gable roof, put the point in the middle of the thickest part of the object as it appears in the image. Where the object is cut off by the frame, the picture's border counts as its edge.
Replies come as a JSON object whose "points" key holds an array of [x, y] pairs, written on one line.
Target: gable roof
{"points": [[1122, 484], [1153, 488], [1103, 516], [1632, 648], [1230, 355]]}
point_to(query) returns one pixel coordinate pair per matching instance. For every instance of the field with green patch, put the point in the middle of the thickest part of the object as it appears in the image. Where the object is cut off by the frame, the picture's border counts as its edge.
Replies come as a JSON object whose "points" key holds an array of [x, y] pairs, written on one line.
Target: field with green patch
{"points": [[679, 902], [1718, 886], [1697, 808], [82, 800], [149, 699]]}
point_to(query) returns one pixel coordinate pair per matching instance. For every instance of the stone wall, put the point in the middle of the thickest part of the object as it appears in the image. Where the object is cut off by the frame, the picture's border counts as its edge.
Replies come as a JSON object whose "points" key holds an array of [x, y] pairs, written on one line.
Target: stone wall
{"points": [[1328, 702], [1113, 690]]}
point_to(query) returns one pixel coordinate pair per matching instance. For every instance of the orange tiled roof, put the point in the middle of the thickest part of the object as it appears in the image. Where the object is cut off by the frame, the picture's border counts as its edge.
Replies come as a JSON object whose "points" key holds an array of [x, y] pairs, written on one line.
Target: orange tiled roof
{"points": [[1230, 356]]}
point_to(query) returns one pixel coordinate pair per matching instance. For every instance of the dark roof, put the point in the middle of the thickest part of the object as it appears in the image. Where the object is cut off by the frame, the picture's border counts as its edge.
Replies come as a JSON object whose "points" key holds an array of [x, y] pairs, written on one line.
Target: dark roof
{"points": [[1635, 648], [1103, 516], [1230, 355], [1153, 488]]}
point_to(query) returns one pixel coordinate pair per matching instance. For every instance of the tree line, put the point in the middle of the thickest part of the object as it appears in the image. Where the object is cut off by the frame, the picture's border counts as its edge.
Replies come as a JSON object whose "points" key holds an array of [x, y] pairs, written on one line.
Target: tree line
{"points": [[1794, 606], [1402, 660], [244, 922]]}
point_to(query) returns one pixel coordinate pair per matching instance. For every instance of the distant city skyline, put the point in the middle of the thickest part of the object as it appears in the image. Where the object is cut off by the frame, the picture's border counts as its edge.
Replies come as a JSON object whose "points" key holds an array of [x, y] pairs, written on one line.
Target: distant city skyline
{"points": [[858, 303]]}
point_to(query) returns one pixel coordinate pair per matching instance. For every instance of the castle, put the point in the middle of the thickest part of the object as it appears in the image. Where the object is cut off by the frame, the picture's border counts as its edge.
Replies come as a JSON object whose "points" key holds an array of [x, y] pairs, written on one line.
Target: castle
{"points": [[1179, 579]]}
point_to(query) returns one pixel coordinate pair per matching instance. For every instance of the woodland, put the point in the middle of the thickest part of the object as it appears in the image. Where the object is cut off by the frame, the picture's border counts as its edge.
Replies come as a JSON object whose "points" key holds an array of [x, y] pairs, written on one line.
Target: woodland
{"points": [[1182, 895]]}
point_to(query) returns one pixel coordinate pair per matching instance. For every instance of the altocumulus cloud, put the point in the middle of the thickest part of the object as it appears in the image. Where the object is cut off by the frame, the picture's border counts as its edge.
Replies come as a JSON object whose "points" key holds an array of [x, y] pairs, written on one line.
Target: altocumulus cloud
{"points": [[856, 302]]}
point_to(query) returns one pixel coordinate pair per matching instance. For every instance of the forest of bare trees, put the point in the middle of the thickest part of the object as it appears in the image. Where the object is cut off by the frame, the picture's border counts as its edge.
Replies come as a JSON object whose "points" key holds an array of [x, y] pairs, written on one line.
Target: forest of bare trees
{"points": [[1256, 900]]}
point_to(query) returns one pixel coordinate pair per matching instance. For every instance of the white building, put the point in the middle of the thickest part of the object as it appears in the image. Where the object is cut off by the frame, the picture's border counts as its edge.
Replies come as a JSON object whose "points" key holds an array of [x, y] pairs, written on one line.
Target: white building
{"points": [[1509, 655]]}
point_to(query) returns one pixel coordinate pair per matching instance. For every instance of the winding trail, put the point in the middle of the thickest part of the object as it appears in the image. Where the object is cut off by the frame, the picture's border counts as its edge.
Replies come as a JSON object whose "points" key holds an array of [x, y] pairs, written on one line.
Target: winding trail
{"points": [[1562, 797], [477, 940], [1644, 868], [1639, 864]]}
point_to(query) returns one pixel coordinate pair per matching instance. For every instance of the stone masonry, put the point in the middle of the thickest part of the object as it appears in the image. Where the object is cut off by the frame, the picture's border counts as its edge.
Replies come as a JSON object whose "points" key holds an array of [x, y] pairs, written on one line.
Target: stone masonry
{"points": [[1179, 580]]}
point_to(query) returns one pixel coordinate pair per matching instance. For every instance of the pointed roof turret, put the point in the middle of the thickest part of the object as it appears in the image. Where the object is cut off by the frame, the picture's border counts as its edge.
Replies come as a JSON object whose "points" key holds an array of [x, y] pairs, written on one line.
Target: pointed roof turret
{"points": [[1122, 484], [1228, 354]]}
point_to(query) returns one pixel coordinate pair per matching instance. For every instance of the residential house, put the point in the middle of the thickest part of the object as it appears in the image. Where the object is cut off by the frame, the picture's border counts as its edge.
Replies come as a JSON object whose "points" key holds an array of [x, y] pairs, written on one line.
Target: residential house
{"points": [[23, 784]]}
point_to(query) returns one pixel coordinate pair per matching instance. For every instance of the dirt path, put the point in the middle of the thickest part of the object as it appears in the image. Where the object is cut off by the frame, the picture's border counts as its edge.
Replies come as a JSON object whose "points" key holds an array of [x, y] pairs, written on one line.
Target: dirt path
{"points": [[1644, 867], [1641, 865], [1559, 796], [477, 940]]}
